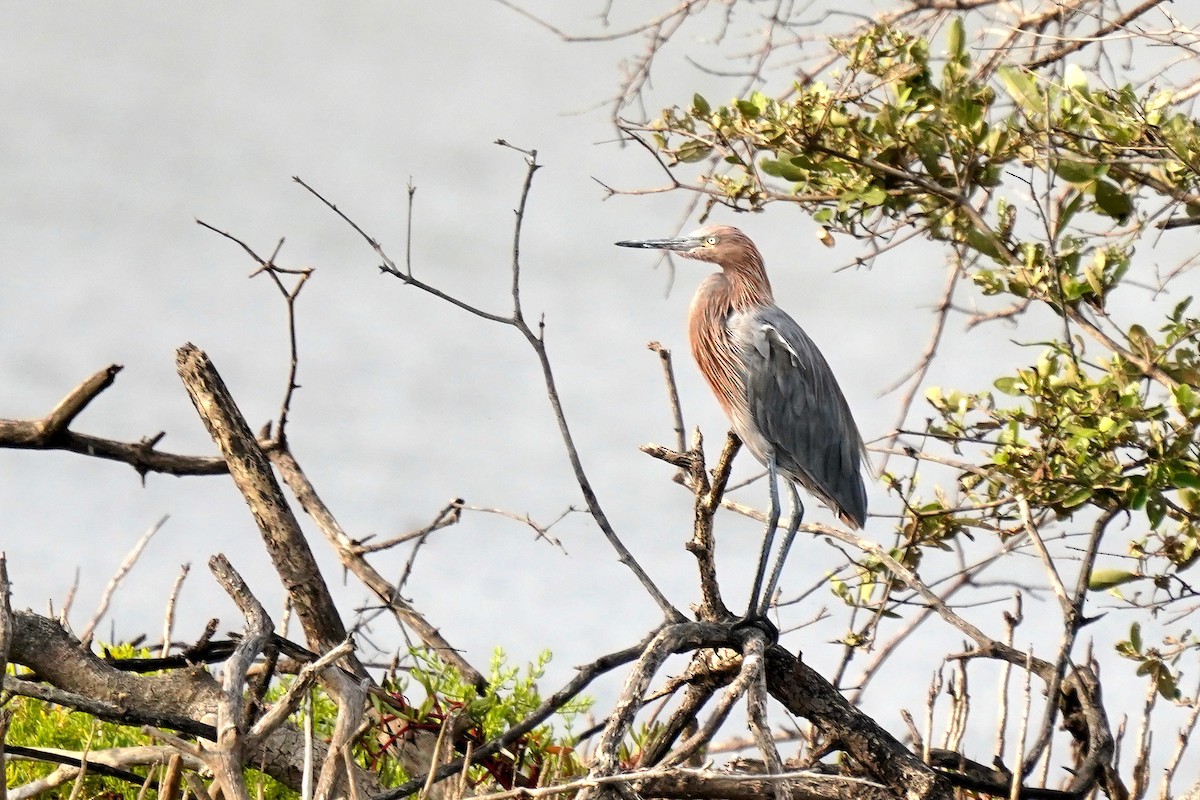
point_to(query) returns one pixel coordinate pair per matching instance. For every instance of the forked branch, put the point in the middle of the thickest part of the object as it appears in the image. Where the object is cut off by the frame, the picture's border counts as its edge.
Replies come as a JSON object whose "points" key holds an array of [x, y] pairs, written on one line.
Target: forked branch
{"points": [[52, 432], [516, 319]]}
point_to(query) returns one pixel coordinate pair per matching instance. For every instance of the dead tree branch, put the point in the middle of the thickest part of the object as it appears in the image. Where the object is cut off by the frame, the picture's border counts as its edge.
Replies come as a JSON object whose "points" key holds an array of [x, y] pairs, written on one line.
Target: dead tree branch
{"points": [[250, 470], [346, 550], [516, 319], [52, 432]]}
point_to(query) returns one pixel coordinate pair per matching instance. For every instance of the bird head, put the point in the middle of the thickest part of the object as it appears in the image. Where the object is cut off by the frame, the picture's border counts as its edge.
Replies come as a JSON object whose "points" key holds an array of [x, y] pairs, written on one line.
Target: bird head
{"points": [[719, 244]]}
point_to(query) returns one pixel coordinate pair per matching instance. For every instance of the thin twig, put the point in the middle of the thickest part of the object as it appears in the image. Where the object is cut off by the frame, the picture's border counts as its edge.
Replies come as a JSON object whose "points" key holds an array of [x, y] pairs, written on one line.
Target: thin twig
{"points": [[1073, 620], [664, 356], [700, 777], [1141, 761], [290, 296], [389, 266], [85, 638], [412, 191], [606, 759], [1035, 536], [1011, 621], [916, 376], [450, 514], [1023, 729], [169, 615], [690, 635], [344, 547], [287, 705], [227, 758], [1184, 737], [536, 342]]}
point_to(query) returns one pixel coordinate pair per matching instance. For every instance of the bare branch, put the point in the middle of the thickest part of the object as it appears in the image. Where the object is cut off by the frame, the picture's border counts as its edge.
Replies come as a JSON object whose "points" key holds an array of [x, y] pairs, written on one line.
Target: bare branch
{"points": [[536, 342], [649, 24], [389, 266], [756, 710], [344, 548], [250, 470], [1104, 30], [288, 704], [169, 614], [688, 636], [450, 514], [672, 394], [6, 635], [916, 376], [106, 597], [710, 785], [227, 758], [51, 433]]}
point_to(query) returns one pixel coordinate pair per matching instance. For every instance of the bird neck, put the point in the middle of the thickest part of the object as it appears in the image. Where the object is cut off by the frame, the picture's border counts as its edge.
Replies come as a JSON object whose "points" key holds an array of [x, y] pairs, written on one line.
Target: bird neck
{"points": [[734, 289], [746, 285]]}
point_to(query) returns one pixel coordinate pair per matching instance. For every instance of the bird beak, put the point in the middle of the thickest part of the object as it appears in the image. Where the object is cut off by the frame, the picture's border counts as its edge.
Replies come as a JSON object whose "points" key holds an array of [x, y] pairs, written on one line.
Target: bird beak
{"points": [[681, 244]]}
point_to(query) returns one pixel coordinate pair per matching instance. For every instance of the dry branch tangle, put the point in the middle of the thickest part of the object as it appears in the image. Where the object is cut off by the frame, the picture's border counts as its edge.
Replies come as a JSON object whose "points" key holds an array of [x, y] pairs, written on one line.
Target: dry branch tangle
{"points": [[184, 700]]}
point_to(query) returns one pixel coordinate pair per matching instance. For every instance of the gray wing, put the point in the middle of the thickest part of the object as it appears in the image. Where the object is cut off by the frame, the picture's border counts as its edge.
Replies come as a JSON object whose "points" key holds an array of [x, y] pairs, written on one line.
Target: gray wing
{"points": [[798, 408]]}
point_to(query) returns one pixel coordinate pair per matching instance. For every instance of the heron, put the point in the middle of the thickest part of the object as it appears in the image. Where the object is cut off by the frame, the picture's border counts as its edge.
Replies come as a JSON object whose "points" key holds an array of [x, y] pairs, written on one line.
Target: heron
{"points": [[778, 391]]}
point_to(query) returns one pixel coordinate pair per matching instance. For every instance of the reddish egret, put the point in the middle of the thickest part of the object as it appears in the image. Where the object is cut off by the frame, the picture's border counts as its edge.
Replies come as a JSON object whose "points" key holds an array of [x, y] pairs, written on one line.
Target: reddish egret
{"points": [[775, 386]]}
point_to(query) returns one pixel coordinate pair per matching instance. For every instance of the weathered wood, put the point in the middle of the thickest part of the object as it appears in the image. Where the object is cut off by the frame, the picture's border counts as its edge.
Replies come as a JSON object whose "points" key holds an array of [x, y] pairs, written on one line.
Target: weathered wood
{"points": [[385, 590], [293, 558], [183, 700], [805, 693], [52, 432], [251, 472]]}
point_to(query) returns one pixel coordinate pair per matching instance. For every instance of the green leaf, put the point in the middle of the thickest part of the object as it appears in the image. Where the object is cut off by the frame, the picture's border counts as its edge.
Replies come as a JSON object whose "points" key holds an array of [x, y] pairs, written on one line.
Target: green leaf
{"points": [[1126, 651], [1078, 497], [700, 106], [689, 152], [1077, 172], [982, 243], [782, 168], [1113, 201], [1137, 500], [1184, 477], [1022, 87], [1166, 685], [748, 109], [1185, 397], [955, 39], [1156, 509], [1009, 385], [874, 195], [1074, 79], [1102, 579], [1068, 210]]}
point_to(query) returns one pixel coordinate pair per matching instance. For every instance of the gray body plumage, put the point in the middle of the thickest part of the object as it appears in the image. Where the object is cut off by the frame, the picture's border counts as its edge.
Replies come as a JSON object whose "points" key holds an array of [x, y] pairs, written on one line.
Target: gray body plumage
{"points": [[795, 409]]}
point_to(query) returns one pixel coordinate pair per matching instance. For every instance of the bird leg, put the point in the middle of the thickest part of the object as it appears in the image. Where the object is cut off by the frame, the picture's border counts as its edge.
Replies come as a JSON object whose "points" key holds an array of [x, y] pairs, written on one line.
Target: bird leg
{"points": [[754, 616], [793, 526]]}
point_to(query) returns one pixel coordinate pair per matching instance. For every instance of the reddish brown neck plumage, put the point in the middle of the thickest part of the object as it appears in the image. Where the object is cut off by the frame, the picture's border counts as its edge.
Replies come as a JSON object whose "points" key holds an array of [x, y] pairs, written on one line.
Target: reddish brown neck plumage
{"points": [[746, 283], [740, 286]]}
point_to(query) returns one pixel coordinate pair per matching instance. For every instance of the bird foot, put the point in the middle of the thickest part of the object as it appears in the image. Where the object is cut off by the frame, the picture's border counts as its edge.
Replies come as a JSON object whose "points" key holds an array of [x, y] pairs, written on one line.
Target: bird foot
{"points": [[758, 622]]}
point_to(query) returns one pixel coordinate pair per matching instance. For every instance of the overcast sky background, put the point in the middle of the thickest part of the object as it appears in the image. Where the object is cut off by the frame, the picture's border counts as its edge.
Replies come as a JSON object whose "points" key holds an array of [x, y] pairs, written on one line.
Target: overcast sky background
{"points": [[125, 122]]}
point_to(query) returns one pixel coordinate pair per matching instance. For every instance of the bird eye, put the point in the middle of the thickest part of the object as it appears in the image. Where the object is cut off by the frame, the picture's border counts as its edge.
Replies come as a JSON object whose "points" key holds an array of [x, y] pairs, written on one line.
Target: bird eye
{"points": [[710, 240]]}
